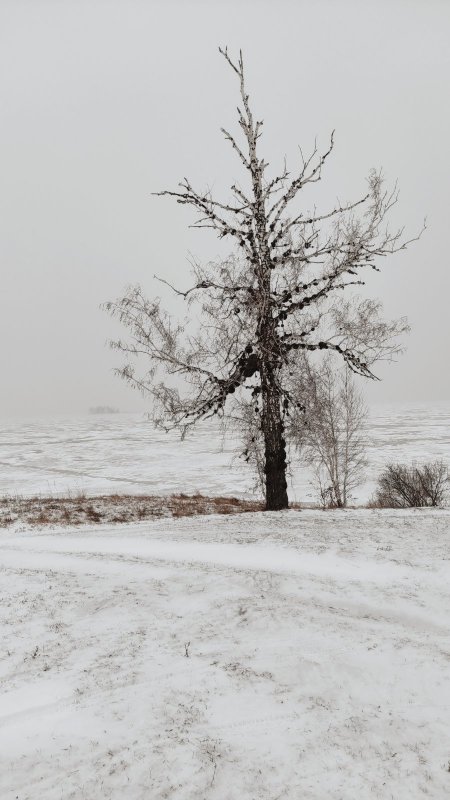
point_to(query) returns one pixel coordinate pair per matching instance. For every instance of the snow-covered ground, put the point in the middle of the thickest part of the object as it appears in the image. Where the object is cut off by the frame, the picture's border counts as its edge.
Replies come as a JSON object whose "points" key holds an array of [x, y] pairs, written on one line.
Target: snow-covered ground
{"points": [[296, 655], [123, 453]]}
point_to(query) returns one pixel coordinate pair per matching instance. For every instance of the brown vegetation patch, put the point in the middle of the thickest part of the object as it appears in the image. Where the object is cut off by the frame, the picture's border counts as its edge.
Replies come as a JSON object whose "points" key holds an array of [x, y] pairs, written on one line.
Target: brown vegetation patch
{"points": [[115, 508]]}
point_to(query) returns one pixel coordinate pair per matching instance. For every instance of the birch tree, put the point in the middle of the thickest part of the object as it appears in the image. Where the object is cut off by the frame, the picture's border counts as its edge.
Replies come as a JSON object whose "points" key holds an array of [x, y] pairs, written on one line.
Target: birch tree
{"points": [[330, 437], [273, 299]]}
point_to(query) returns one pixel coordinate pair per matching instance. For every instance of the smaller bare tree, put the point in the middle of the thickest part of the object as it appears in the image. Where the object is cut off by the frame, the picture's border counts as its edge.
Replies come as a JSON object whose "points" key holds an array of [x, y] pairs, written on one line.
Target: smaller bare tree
{"points": [[401, 486], [329, 432]]}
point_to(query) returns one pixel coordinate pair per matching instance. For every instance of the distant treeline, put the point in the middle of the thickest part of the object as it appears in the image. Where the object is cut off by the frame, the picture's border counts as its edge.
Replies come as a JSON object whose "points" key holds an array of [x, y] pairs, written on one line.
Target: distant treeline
{"points": [[104, 410]]}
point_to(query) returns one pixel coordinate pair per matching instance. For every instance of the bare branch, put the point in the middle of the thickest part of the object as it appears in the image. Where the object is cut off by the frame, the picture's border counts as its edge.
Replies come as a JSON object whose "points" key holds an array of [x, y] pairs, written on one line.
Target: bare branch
{"points": [[302, 179]]}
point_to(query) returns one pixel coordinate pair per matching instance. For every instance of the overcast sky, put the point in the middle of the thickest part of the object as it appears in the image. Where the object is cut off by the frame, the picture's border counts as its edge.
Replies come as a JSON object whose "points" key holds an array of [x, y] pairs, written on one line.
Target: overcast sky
{"points": [[103, 103]]}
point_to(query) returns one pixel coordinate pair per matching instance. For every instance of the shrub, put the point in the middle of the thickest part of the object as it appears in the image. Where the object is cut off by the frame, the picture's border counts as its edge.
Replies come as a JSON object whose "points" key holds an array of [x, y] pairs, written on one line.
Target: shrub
{"points": [[402, 486]]}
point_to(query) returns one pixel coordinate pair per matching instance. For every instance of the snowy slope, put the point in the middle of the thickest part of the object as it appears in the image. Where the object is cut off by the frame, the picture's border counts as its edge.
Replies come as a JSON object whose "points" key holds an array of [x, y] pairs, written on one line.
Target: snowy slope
{"points": [[292, 655]]}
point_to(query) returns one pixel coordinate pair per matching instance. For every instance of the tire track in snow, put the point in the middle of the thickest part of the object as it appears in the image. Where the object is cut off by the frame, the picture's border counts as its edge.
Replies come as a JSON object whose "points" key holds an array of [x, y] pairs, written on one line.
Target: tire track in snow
{"points": [[267, 558]]}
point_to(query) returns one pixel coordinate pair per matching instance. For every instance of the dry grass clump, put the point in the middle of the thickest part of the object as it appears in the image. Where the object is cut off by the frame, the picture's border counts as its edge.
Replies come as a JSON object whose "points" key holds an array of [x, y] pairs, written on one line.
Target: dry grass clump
{"points": [[115, 508]]}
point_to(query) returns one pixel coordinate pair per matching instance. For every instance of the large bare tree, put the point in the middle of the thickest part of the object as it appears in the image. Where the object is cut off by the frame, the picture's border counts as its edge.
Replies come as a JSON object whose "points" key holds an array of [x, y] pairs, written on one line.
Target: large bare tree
{"points": [[273, 297]]}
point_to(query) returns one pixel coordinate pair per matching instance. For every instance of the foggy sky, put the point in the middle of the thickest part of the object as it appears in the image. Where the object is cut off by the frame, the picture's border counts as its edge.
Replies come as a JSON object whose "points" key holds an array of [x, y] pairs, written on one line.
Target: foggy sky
{"points": [[103, 103]]}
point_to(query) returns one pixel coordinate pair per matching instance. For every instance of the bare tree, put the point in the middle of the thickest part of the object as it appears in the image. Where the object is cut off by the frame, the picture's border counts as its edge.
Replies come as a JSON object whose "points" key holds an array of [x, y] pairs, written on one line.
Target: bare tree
{"points": [[266, 304], [330, 435]]}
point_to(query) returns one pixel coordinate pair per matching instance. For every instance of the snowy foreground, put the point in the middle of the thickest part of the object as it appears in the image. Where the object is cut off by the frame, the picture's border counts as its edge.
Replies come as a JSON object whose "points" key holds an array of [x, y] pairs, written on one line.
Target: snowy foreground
{"points": [[299, 655]]}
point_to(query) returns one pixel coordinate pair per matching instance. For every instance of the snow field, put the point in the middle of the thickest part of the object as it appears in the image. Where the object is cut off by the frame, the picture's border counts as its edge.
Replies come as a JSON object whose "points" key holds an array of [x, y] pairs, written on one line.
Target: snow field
{"points": [[105, 454], [261, 656]]}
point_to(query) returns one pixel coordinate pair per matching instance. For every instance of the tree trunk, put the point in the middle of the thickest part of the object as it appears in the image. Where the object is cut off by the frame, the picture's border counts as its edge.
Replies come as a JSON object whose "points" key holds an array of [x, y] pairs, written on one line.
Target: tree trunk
{"points": [[275, 451]]}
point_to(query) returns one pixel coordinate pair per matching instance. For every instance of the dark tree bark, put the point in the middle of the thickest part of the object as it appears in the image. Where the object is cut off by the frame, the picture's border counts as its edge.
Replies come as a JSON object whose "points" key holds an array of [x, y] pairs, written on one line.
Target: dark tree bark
{"points": [[269, 300], [274, 449]]}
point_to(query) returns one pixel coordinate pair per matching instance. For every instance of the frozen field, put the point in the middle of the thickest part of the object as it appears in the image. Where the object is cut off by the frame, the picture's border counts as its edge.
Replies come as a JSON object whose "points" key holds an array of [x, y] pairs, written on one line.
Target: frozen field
{"points": [[123, 453], [296, 656], [299, 655]]}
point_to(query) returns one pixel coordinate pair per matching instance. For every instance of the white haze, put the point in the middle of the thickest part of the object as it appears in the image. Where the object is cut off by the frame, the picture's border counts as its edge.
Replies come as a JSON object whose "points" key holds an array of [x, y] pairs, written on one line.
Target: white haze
{"points": [[103, 103]]}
